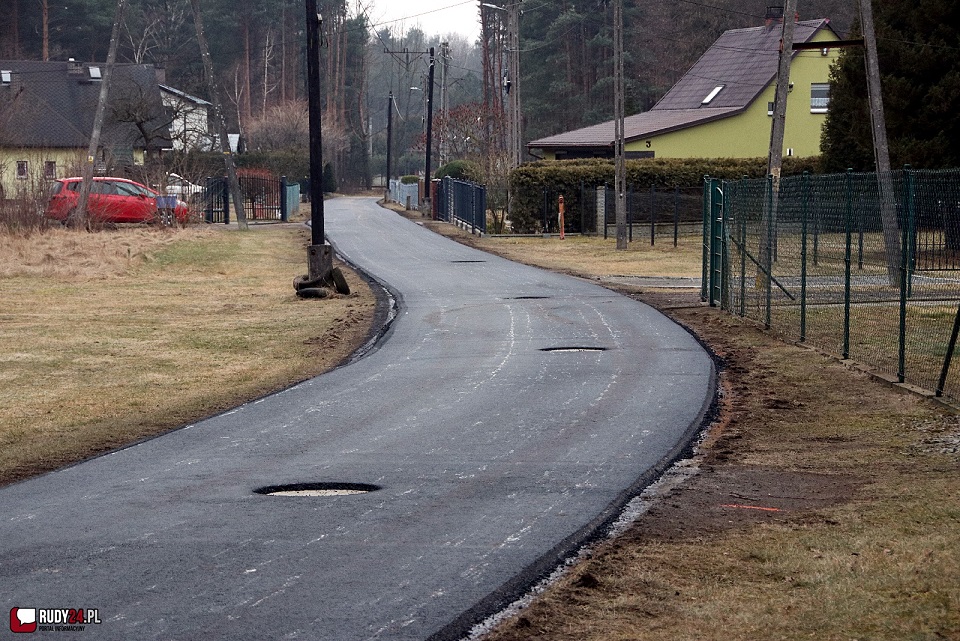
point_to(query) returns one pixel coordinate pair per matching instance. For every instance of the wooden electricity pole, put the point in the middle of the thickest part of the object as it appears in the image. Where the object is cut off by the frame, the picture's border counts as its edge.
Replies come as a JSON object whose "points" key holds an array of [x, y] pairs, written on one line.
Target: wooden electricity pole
{"points": [[234, 184], [427, 175], [775, 155], [386, 197], [778, 127], [881, 150], [79, 215], [444, 102], [516, 118], [620, 169]]}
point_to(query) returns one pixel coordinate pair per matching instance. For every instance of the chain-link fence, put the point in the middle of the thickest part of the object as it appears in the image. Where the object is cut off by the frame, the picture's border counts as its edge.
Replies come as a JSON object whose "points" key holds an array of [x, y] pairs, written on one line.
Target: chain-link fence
{"points": [[864, 266], [653, 214]]}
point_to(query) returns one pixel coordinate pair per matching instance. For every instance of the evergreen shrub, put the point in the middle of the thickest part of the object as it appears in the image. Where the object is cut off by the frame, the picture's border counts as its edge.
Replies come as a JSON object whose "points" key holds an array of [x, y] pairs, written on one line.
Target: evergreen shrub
{"points": [[528, 182]]}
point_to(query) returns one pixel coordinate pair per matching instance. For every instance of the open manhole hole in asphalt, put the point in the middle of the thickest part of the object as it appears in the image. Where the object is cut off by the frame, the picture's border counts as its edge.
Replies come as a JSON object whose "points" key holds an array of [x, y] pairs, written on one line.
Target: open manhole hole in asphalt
{"points": [[578, 348], [528, 298], [467, 261], [317, 489]]}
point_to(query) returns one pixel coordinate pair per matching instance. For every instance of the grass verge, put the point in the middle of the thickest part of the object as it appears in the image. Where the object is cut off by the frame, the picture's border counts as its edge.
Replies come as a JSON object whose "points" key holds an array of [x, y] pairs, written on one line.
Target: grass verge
{"points": [[116, 336]]}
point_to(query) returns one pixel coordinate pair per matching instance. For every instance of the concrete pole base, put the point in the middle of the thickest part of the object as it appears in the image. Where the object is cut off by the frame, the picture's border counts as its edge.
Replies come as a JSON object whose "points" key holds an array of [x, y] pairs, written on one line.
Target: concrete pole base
{"points": [[320, 262]]}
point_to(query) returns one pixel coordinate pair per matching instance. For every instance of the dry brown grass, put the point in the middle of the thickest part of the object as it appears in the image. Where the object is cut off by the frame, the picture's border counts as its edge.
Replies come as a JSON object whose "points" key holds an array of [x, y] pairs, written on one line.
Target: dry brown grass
{"points": [[588, 255], [110, 337]]}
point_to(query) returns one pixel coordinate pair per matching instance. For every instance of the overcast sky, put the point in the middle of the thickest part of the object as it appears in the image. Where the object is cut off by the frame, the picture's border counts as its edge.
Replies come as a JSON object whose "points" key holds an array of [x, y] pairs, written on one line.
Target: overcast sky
{"points": [[434, 16]]}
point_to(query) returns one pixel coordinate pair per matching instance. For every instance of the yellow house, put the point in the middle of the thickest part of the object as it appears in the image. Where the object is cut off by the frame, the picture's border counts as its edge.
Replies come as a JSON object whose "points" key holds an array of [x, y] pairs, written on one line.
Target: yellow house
{"points": [[46, 119], [723, 106]]}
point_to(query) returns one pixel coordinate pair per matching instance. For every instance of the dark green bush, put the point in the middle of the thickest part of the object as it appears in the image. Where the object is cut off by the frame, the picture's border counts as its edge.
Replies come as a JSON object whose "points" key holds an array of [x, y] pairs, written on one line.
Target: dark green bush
{"points": [[461, 170], [329, 179], [528, 182], [409, 180]]}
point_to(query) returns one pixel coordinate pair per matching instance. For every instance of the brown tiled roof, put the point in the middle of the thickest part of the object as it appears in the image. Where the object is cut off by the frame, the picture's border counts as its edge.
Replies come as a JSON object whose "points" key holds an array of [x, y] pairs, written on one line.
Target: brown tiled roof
{"points": [[641, 125], [47, 105], [742, 61]]}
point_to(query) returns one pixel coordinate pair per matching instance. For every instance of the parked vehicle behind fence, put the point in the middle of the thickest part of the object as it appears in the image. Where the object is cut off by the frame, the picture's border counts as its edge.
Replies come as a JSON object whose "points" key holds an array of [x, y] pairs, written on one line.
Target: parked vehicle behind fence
{"points": [[112, 200], [183, 189]]}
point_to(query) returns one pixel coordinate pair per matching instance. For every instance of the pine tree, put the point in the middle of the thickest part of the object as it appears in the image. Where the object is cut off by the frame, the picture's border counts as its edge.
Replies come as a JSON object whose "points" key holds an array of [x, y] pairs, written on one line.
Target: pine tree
{"points": [[919, 54]]}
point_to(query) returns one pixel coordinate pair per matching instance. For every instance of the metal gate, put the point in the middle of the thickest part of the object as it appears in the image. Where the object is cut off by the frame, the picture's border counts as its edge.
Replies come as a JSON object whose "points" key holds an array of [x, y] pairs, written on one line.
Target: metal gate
{"points": [[264, 199]]}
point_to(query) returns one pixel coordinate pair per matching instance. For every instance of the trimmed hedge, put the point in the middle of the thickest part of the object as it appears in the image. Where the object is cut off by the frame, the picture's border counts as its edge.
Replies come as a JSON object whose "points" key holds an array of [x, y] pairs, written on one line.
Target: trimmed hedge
{"points": [[529, 181], [461, 170]]}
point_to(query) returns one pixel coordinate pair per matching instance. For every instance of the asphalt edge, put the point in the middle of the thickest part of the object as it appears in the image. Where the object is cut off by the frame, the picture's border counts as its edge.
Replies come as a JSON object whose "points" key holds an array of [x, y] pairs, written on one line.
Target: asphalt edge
{"points": [[598, 528]]}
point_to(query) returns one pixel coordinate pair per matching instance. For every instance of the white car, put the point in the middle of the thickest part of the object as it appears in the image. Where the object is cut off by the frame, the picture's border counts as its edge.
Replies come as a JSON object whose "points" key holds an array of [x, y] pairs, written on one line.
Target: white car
{"points": [[182, 188]]}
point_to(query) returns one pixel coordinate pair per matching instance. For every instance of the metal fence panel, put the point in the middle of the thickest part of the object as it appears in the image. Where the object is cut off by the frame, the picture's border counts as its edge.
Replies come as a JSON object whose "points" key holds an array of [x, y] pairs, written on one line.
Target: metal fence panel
{"points": [[407, 195], [812, 262], [464, 203]]}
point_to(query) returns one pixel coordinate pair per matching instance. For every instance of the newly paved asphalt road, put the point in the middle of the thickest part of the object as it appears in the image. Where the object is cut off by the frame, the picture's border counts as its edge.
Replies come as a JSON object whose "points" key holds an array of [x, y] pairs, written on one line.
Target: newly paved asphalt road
{"points": [[494, 458]]}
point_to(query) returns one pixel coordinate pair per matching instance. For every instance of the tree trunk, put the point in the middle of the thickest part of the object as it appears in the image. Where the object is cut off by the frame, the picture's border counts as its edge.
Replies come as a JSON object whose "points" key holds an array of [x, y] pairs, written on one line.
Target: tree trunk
{"points": [[246, 108], [45, 19]]}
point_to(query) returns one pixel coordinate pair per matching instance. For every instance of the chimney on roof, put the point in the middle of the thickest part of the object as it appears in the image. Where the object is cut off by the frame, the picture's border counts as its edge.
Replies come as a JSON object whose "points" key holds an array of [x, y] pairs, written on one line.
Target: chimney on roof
{"points": [[774, 14], [161, 74]]}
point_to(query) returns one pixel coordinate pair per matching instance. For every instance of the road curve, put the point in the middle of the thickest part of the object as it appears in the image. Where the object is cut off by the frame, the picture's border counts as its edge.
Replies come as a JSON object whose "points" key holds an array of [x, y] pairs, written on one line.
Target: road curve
{"points": [[506, 416]]}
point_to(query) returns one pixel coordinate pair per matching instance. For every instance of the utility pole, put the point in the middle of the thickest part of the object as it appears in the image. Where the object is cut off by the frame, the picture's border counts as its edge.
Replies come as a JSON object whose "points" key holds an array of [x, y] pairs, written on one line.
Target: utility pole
{"points": [[516, 117], [319, 254], [444, 103], [778, 127], [386, 196], [231, 168], [881, 149], [777, 131], [620, 169], [427, 204], [79, 215]]}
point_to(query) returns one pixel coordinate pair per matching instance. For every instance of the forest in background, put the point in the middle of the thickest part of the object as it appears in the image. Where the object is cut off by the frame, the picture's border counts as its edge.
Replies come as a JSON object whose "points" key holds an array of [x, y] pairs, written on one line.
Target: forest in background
{"points": [[566, 66]]}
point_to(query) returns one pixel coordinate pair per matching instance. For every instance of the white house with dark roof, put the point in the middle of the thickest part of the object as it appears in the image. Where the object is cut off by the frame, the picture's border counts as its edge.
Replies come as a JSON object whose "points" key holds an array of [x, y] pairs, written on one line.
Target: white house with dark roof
{"points": [[189, 119], [722, 106]]}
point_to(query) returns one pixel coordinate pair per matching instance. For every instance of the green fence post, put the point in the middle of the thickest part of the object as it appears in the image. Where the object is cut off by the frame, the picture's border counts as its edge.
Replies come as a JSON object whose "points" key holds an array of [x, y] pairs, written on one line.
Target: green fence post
{"points": [[804, 188], [743, 254], [717, 242], [904, 267], [911, 229], [846, 266], [653, 214], [676, 214], [769, 253], [226, 201], [704, 275]]}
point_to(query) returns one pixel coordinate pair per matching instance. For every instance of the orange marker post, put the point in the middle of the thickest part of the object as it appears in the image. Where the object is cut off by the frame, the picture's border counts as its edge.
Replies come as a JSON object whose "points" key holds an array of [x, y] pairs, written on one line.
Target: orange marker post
{"points": [[560, 217]]}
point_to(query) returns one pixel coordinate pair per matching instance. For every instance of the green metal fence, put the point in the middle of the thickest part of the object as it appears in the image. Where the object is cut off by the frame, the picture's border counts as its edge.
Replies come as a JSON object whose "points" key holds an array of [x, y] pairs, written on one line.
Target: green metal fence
{"points": [[862, 265]]}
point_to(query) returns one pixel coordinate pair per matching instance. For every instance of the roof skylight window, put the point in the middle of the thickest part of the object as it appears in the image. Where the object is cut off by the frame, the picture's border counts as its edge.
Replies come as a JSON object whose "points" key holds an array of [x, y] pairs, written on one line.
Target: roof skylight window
{"points": [[6, 77], [95, 73], [712, 94]]}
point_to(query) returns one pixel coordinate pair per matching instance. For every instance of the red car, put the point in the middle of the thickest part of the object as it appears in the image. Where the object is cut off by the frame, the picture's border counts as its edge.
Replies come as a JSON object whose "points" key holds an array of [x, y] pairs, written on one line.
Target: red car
{"points": [[112, 200]]}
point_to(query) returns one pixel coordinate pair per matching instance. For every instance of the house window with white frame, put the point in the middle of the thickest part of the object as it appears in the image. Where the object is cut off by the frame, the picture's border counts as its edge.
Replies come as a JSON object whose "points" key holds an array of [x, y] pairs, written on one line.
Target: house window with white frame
{"points": [[819, 97], [23, 169], [50, 170]]}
